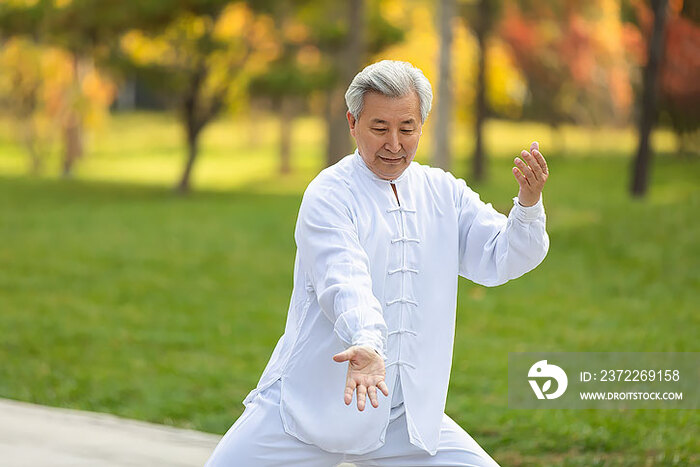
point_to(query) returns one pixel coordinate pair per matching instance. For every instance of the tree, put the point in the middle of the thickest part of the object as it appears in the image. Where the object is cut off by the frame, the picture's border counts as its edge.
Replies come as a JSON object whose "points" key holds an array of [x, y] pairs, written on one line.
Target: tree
{"points": [[22, 67], [483, 20], [443, 115], [345, 45], [573, 58], [296, 73], [202, 42], [69, 94], [203, 62], [640, 171], [679, 86], [286, 83], [39, 89], [345, 36]]}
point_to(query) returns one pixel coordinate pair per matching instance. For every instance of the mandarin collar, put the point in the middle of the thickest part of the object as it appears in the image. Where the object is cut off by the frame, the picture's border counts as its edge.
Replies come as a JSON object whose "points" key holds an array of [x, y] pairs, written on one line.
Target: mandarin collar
{"points": [[360, 163]]}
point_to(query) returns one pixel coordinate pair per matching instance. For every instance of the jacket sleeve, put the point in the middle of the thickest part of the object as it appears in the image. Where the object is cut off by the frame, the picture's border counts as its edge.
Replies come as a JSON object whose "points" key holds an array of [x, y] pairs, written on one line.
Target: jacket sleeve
{"points": [[338, 268], [493, 248]]}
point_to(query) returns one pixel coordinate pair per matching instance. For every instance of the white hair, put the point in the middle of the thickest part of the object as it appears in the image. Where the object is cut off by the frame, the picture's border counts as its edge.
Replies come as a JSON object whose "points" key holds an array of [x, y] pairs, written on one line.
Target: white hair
{"points": [[390, 78]]}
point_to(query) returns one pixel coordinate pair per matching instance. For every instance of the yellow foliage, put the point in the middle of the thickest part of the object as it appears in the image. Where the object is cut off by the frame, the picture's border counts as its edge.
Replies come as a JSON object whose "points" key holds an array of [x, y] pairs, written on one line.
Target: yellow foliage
{"points": [[20, 3], [248, 43], [263, 38], [100, 92], [57, 91], [394, 10], [464, 53], [41, 86], [233, 22], [420, 44], [309, 56], [295, 32], [147, 50], [608, 35], [506, 88]]}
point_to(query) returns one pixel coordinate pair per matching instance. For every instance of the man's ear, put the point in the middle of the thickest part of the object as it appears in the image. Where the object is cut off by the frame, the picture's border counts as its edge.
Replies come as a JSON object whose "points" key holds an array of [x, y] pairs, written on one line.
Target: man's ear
{"points": [[351, 122]]}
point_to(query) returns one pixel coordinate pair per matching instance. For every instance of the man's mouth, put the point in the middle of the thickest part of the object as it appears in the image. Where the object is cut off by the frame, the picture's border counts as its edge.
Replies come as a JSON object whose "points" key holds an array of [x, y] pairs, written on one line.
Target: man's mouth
{"points": [[391, 160]]}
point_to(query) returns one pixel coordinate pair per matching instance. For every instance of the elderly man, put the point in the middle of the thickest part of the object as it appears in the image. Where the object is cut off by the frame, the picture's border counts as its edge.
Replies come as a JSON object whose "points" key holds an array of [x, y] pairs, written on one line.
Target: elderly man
{"points": [[381, 241]]}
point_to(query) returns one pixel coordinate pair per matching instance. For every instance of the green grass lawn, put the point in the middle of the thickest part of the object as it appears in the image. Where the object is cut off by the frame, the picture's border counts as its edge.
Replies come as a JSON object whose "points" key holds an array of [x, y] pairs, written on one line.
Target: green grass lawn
{"points": [[118, 296]]}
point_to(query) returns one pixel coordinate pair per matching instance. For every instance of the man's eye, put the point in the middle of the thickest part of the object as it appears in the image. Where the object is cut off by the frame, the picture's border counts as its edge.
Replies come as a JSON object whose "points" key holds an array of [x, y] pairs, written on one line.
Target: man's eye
{"points": [[406, 132], [379, 129]]}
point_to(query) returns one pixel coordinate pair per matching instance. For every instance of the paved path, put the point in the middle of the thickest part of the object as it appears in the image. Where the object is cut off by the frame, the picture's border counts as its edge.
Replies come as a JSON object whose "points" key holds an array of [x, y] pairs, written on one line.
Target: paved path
{"points": [[38, 436], [34, 435]]}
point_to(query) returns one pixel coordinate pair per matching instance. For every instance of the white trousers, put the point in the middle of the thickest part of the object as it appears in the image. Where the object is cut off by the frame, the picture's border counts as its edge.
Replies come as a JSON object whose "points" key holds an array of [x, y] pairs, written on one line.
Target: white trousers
{"points": [[258, 439]]}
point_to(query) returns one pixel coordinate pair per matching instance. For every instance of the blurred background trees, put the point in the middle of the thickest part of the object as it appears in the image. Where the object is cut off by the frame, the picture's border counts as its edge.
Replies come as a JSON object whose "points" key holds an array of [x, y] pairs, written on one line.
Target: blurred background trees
{"points": [[560, 62], [670, 56], [482, 17], [202, 62], [442, 93]]}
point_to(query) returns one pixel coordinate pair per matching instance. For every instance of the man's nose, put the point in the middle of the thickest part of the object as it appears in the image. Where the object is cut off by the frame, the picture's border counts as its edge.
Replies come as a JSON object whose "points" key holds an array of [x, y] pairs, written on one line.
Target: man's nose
{"points": [[392, 143]]}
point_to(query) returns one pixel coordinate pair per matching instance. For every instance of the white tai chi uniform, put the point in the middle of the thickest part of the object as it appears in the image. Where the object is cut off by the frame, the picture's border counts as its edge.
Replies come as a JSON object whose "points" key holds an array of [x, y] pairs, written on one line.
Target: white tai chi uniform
{"points": [[373, 270]]}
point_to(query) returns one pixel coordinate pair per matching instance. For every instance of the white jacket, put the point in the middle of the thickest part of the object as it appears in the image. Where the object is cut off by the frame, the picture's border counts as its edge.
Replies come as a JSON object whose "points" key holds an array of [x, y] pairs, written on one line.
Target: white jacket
{"points": [[370, 271]]}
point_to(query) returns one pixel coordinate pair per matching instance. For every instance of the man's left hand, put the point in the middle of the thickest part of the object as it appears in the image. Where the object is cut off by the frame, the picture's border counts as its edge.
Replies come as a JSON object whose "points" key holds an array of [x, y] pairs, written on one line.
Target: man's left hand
{"points": [[531, 174]]}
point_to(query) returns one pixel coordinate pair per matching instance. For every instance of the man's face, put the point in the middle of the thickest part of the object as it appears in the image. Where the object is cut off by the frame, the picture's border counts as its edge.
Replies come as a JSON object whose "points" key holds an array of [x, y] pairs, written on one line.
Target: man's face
{"points": [[387, 132]]}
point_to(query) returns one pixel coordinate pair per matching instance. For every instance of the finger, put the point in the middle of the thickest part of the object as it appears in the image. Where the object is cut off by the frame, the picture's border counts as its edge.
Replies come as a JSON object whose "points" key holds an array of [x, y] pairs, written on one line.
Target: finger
{"points": [[535, 146], [540, 160], [519, 177], [343, 356], [361, 395], [349, 389], [372, 392], [383, 387], [532, 164], [524, 170]]}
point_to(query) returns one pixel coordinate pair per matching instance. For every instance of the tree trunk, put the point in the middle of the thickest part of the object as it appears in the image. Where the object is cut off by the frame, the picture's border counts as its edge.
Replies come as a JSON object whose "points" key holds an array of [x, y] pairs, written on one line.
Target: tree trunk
{"points": [[640, 174], [348, 63], [37, 164], [73, 143], [30, 138], [681, 147], [338, 142], [479, 162], [286, 124], [356, 40], [443, 117], [194, 121], [73, 126], [183, 187], [255, 123]]}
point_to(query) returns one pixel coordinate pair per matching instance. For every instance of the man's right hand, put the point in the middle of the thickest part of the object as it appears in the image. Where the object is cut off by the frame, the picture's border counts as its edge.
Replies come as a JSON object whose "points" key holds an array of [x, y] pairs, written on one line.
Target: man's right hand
{"points": [[366, 374]]}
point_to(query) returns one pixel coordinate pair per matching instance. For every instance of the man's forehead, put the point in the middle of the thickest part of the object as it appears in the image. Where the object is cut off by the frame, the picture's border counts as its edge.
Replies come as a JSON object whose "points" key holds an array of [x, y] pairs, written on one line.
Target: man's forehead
{"points": [[382, 109], [381, 121]]}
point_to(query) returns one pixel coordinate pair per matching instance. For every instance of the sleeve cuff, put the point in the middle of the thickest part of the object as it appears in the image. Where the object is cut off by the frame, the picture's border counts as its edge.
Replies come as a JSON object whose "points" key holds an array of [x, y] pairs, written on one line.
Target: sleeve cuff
{"points": [[528, 213], [371, 339]]}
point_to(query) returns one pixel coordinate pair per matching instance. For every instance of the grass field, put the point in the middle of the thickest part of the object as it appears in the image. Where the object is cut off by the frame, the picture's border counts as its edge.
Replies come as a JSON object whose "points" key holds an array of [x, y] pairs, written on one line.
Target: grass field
{"points": [[118, 296]]}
